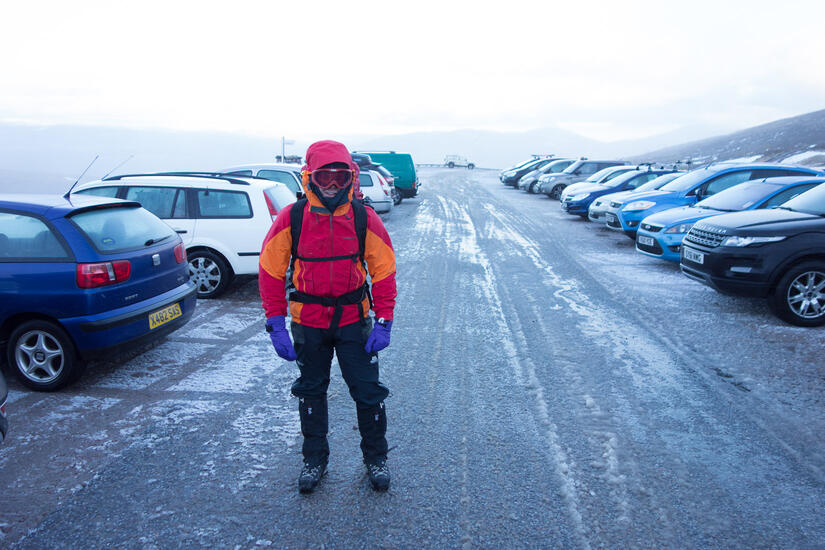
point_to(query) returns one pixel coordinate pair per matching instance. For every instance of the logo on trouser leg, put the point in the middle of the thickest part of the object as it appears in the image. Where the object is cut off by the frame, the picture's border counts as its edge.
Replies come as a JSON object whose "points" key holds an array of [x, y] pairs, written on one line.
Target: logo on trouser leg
{"points": [[309, 410], [376, 418]]}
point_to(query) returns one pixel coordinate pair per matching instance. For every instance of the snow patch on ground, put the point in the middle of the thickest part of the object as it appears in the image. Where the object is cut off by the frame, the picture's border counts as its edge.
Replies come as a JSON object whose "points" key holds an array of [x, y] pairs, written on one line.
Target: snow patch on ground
{"points": [[239, 370], [151, 366], [223, 326]]}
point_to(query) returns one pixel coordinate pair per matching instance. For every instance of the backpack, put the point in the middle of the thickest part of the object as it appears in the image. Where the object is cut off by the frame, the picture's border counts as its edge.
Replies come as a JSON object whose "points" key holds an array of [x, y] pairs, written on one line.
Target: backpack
{"points": [[296, 220]]}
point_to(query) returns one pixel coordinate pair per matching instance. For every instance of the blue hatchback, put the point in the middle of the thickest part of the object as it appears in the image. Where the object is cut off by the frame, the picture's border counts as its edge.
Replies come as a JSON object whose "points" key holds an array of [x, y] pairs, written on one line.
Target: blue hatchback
{"points": [[577, 198], [661, 234], [81, 277], [695, 186]]}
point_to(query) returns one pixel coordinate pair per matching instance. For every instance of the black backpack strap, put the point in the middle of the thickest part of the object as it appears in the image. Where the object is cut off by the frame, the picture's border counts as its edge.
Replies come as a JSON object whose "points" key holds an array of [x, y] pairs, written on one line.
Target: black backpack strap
{"points": [[296, 221], [359, 212]]}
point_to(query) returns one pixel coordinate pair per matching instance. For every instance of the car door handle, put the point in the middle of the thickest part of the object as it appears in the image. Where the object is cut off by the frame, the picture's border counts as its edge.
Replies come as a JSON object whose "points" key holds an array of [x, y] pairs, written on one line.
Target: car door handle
{"points": [[181, 231]]}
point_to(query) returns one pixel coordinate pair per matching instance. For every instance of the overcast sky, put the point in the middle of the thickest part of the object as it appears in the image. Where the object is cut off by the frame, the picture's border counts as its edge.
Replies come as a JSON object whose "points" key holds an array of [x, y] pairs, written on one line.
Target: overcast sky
{"points": [[607, 70]]}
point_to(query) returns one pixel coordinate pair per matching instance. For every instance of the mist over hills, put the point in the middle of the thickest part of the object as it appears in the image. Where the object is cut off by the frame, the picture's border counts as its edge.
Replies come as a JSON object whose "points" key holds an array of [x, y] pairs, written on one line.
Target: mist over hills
{"points": [[49, 158], [774, 141]]}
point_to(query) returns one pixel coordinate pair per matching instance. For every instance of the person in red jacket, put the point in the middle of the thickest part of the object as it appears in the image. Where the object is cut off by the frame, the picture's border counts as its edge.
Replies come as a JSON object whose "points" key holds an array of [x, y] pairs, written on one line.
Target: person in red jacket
{"points": [[327, 238]]}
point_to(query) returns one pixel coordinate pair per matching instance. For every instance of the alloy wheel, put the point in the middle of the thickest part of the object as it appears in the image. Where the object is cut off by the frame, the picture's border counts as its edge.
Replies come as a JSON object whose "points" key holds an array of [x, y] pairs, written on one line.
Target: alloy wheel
{"points": [[40, 356], [806, 295]]}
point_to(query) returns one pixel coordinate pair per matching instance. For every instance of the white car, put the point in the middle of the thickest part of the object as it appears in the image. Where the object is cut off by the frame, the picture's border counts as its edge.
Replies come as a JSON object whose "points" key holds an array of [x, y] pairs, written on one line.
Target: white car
{"points": [[221, 219], [451, 161], [288, 174], [376, 191]]}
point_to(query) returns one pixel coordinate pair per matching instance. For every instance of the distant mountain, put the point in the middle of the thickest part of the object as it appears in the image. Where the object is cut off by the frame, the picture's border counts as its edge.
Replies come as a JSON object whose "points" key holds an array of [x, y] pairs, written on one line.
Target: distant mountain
{"points": [[799, 139]]}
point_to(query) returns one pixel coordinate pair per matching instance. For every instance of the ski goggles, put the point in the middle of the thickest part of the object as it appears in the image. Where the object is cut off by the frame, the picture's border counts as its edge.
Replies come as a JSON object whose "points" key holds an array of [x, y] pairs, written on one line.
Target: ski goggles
{"points": [[326, 178]]}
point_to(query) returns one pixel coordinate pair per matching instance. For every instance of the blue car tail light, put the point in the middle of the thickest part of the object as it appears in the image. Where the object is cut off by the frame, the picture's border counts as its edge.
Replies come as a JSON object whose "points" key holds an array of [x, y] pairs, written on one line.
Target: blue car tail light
{"points": [[103, 273]]}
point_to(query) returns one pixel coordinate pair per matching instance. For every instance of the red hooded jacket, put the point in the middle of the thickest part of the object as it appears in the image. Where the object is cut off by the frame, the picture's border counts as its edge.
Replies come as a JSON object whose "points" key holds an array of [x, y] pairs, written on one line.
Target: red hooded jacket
{"points": [[325, 235]]}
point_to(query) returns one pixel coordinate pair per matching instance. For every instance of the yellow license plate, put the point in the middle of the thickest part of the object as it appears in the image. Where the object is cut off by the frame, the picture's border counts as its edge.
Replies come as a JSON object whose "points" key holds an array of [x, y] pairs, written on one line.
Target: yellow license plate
{"points": [[165, 315]]}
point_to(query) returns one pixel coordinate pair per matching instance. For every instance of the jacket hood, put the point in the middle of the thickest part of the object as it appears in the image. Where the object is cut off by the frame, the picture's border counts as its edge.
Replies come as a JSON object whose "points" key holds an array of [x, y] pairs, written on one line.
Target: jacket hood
{"points": [[325, 152]]}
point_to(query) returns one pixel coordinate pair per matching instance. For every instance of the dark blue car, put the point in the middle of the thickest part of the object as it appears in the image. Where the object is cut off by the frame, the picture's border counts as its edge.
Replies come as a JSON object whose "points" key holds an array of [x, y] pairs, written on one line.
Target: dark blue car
{"points": [[695, 186], [577, 198], [81, 277]]}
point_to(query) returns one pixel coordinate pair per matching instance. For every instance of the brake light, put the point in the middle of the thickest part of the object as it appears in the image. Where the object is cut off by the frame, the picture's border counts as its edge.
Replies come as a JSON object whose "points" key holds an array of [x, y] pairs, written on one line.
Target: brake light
{"points": [[180, 253], [104, 273], [273, 212]]}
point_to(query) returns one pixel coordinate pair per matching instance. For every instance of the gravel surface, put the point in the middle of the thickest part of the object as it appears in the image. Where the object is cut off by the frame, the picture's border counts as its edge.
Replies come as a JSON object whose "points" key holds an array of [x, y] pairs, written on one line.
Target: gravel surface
{"points": [[551, 388]]}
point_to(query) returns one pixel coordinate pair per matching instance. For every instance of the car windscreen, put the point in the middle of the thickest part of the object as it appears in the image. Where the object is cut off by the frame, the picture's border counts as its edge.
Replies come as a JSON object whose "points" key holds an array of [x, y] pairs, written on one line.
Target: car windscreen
{"points": [[573, 167], [521, 165], [118, 229], [811, 202], [688, 180], [659, 182], [555, 166], [738, 197], [619, 178], [280, 196], [605, 174]]}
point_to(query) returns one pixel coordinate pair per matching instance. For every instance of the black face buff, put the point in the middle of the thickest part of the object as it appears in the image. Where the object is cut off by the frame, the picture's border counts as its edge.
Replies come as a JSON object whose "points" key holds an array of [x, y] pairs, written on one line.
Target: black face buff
{"points": [[331, 203]]}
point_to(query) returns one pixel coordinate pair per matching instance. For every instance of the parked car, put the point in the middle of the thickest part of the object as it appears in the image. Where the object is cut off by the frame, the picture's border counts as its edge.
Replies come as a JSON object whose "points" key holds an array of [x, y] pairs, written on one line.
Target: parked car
{"points": [[84, 277], [660, 234], [529, 181], [376, 191], [401, 166], [577, 198], [511, 176], [222, 219], [776, 253], [610, 203], [288, 174], [365, 163], [451, 161], [582, 170], [693, 187], [4, 421]]}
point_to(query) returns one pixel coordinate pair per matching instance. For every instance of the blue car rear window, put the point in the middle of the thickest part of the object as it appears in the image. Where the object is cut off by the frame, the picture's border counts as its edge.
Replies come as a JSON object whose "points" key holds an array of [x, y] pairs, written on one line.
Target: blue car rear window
{"points": [[688, 180], [24, 237], [112, 230]]}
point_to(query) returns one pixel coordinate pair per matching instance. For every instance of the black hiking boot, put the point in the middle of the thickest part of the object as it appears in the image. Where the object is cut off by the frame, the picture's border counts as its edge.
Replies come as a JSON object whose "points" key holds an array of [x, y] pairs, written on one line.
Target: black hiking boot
{"points": [[379, 475], [310, 476]]}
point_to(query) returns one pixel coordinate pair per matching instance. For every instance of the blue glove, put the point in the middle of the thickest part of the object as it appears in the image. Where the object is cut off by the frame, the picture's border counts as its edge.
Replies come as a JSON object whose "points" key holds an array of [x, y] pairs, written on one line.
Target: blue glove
{"points": [[276, 327], [379, 337]]}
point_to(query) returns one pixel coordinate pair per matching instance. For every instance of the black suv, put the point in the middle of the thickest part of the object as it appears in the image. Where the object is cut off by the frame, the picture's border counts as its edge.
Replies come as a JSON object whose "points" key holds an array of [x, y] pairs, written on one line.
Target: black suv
{"points": [[511, 176], [778, 254]]}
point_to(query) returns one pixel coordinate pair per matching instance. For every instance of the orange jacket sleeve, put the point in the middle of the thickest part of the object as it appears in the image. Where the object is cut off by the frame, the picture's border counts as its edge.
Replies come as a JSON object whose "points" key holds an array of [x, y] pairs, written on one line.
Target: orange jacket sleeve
{"points": [[273, 264], [380, 257]]}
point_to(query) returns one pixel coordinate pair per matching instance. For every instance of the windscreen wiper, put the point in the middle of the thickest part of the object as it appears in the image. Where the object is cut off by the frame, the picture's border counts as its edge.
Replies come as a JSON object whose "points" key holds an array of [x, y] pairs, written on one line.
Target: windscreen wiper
{"points": [[150, 242]]}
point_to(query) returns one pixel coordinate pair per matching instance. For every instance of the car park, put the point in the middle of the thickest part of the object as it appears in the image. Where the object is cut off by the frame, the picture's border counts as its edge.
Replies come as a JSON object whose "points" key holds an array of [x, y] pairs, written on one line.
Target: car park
{"points": [[288, 174], [660, 235], [401, 166], [512, 175], [451, 161], [577, 198], [592, 171], [364, 162], [81, 277], [529, 181], [609, 204], [693, 187], [376, 191], [776, 253], [222, 219]]}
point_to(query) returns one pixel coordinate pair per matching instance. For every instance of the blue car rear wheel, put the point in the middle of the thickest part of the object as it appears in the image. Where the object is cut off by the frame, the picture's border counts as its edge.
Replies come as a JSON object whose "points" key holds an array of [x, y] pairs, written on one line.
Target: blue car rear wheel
{"points": [[43, 356]]}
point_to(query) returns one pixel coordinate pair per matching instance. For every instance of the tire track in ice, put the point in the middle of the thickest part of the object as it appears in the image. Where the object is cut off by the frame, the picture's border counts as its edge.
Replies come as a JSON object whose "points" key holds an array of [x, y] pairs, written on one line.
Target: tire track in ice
{"points": [[470, 251]]}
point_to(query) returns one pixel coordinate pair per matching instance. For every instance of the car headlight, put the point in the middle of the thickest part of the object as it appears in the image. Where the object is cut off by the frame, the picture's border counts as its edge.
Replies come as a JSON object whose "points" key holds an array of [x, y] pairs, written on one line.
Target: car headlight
{"points": [[638, 205], [681, 228], [744, 240], [579, 196]]}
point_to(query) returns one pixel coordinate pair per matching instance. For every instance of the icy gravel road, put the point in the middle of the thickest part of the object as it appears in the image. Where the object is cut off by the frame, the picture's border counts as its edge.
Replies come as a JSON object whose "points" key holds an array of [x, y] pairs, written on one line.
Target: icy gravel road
{"points": [[552, 388]]}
